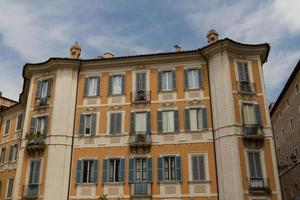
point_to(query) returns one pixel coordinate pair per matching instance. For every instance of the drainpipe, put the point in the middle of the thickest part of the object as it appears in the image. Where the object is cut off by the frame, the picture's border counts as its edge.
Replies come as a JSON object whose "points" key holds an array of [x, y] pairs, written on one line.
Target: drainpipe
{"points": [[212, 123], [73, 134]]}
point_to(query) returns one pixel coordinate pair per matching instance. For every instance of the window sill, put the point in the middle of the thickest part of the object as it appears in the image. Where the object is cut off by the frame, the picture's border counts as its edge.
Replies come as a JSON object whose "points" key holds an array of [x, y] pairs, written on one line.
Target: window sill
{"points": [[168, 133], [115, 135], [199, 181], [194, 89], [90, 97], [114, 183], [167, 91], [116, 95], [86, 184], [197, 131], [169, 182]]}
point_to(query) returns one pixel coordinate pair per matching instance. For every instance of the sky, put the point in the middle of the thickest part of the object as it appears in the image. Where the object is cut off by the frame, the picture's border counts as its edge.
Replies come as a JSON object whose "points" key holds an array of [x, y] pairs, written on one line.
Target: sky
{"points": [[32, 31]]}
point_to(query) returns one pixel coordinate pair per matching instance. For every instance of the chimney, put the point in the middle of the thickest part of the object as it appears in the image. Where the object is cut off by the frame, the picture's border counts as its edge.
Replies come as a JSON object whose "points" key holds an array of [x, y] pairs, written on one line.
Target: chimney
{"points": [[75, 51], [212, 36], [108, 55], [177, 48]]}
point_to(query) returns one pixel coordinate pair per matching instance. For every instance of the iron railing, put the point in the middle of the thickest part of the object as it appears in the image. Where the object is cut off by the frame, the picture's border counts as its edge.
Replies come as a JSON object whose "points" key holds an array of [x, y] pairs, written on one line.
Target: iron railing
{"points": [[31, 191], [141, 189], [141, 96], [259, 185], [139, 139], [253, 130], [246, 87]]}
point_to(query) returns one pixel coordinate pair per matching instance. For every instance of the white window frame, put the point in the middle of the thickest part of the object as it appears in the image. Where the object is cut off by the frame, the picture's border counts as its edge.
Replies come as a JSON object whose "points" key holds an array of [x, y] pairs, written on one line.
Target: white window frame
{"points": [[206, 165], [40, 124], [44, 88], [115, 89], [116, 168], [108, 122], [168, 83], [86, 125], [250, 67], [7, 188], [89, 172], [170, 170], [199, 111], [136, 124], [195, 81], [169, 121], [143, 169], [15, 152], [95, 86], [262, 161]]}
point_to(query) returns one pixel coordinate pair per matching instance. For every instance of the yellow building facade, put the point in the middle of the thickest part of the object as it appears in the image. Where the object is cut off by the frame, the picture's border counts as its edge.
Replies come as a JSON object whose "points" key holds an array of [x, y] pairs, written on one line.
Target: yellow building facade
{"points": [[177, 125]]}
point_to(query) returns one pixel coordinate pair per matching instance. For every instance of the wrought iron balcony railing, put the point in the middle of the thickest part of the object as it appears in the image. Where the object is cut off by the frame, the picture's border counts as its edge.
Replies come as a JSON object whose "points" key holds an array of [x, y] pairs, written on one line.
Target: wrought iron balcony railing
{"points": [[35, 142], [31, 191], [253, 131], [246, 87], [141, 96], [259, 185], [141, 189], [139, 139]]}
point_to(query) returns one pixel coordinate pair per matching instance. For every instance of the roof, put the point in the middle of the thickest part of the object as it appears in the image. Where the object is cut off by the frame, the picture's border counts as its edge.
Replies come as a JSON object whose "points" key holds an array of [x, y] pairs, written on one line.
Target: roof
{"points": [[286, 87]]}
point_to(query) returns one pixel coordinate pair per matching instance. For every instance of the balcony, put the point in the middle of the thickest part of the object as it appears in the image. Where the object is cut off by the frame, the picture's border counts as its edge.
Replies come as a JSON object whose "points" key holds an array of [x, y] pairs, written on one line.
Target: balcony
{"points": [[253, 132], [31, 191], [259, 186], [141, 190], [141, 96], [139, 139], [41, 102], [245, 87], [35, 142]]}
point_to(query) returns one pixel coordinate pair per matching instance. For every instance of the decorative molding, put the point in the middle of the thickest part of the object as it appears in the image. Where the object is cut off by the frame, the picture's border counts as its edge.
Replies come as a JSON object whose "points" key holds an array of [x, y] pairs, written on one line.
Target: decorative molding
{"points": [[139, 67], [247, 97], [116, 107], [90, 109], [195, 102], [168, 104]]}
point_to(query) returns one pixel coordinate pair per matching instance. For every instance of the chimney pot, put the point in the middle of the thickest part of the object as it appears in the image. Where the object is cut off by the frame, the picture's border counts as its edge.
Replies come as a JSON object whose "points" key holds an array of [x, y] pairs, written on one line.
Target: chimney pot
{"points": [[212, 36], [177, 48], [108, 55]]}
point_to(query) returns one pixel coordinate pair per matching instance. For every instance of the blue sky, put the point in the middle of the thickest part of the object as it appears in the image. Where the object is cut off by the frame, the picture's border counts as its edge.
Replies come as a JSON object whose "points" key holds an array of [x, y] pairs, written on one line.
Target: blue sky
{"points": [[33, 31]]}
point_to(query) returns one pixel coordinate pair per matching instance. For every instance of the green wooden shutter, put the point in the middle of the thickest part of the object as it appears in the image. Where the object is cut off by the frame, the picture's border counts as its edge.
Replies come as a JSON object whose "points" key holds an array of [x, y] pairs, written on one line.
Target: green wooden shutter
{"points": [[46, 125], [258, 165], [200, 72], [86, 87], [131, 169], [204, 118], [105, 171], [178, 168], [31, 172], [176, 120], [160, 169], [95, 171], [132, 122], [82, 119], [149, 169], [159, 81], [251, 164], [11, 152], [94, 123], [110, 84], [143, 82], [201, 168], [187, 119], [174, 79], [159, 121], [257, 114], [148, 122], [38, 90], [37, 170], [79, 171], [50, 81], [118, 122], [246, 71], [98, 85], [32, 125], [112, 123], [122, 170], [123, 84], [186, 80]]}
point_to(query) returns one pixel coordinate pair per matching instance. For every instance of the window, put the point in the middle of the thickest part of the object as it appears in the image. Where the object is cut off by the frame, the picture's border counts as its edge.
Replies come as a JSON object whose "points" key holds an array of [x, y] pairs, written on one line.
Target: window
{"points": [[7, 125], [291, 124], [43, 89], [13, 152], [116, 84], [167, 121], [198, 168], [193, 79], [166, 81], [20, 122], [141, 81], [113, 170], [88, 124], [34, 175], [140, 122], [115, 123], [10, 188], [255, 168], [169, 168], [39, 125], [87, 171], [141, 169], [92, 86], [243, 71], [2, 155], [251, 114], [196, 119]]}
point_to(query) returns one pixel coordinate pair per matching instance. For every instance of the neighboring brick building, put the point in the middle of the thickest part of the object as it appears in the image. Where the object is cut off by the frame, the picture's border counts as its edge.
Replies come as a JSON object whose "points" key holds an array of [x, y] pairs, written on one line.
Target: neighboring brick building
{"points": [[177, 125], [285, 116]]}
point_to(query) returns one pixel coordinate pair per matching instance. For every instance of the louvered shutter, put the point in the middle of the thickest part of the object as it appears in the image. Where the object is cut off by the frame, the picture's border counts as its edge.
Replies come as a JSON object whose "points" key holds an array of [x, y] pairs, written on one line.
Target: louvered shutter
{"points": [[251, 164], [82, 120], [257, 114], [159, 81], [178, 168], [148, 122], [38, 90], [112, 123], [86, 87], [186, 80], [123, 84], [95, 172], [174, 79], [143, 82], [258, 165], [110, 84], [132, 122], [200, 75], [149, 169], [93, 124], [98, 85], [49, 89], [105, 171], [11, 152], [79, 171], [118, 122], [195, 168], [204, 118], [122, 170], [201, 167], [176, 120], [160, 169], [131, 169], [159, 121], [187, 119]]}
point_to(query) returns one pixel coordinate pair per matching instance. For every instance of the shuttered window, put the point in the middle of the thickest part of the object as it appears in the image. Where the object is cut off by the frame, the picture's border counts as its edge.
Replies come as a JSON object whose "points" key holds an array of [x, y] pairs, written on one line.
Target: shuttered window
{"points": [[7, 125], [196, 119], [88, 124], [39, 125], [193, 79], [34, 174], [166, 81], [169, 168], [92, 86], [20, 122], [2, 155], [113, 170], [116, 84], [115, 123], [243, 71], [87, 171], [43, 90], [140, 122], [13, 152], [141, 81], [198, 168], [10, 188], [255, 167], [251, 114]]}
